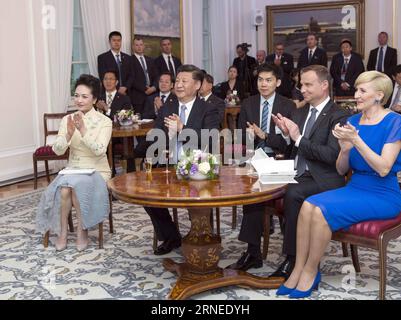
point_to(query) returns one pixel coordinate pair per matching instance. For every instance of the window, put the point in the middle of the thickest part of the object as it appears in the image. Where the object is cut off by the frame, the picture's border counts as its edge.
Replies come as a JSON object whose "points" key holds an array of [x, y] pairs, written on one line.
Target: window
{"points": [[79, 58], [207, 55]]}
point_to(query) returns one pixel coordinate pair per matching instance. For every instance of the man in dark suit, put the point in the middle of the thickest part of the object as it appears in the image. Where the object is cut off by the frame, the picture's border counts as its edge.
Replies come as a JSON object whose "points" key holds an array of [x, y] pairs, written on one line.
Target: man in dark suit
{"points": [[162, 96], [383, 58], [244, 65], [315, 151], [166, 61], [119, 62], [260, 60], [312, 54], [189, 112], [111, 101], [395, 101], [145, 75], [345, 68], [286, 62], [255, 120], [206, 94], [153, 106]]}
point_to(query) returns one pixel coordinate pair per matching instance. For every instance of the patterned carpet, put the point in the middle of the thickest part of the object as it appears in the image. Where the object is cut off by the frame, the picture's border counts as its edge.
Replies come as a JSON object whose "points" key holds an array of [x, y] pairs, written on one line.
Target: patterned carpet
{"points": [[127, 268]]}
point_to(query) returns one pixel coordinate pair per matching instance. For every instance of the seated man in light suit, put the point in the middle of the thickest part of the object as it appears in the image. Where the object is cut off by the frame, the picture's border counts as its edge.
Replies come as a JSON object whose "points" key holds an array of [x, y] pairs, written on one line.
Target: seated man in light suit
{"points": [[198, 115], [256, 118]]}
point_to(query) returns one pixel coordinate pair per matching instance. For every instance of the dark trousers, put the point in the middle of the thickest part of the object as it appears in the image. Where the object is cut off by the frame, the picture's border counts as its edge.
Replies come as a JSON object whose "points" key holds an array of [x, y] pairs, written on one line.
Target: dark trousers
{"points": [[252, 224], [163, 224], [293, 200]]}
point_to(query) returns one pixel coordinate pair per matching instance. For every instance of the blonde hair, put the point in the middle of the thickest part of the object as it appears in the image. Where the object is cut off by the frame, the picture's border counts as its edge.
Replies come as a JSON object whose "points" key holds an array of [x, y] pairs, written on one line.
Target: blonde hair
{"points": [[380, 81]]}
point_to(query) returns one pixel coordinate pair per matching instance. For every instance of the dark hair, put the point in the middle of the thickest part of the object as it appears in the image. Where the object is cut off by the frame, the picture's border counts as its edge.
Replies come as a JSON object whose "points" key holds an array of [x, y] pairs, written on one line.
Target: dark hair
{"points": [[293, 73], [113, 72], [209, 78], [274, 69], [312, 34], [232, 67], [197, 73], [167, 73], [321, 71], [91, 82], [164, 39], [137, 38], [384, 32], [396, 70], [346, 41], [115, 34]]}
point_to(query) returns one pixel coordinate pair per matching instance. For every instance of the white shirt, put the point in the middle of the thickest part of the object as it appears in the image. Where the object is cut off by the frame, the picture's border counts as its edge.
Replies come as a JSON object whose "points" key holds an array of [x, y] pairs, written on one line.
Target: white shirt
{"points": [[319, 109], [208, 96], [165, 56], [166, 95], [313, 51], [189, 106], [384, 56], [115, 55], [140, 61]]}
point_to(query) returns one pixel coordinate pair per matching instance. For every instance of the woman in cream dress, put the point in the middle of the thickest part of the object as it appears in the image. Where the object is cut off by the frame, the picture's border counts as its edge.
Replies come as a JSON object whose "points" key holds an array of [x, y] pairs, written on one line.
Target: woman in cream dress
{"points": [[87, 134]]}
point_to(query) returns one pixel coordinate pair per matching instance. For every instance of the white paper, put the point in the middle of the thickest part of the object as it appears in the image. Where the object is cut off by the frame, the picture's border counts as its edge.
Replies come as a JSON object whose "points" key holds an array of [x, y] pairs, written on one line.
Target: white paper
{"points": [[143, 121], [67, 171]]}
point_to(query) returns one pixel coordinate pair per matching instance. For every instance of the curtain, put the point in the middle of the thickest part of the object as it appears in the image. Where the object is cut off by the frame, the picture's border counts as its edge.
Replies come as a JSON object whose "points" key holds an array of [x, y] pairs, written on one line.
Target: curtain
{"points": [[97, 26], [60, 55], [229, 27]]}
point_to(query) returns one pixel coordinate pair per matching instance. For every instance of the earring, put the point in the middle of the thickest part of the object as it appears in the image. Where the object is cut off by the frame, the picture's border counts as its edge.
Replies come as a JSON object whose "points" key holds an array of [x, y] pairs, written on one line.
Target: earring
{"points": [[377, 101]]}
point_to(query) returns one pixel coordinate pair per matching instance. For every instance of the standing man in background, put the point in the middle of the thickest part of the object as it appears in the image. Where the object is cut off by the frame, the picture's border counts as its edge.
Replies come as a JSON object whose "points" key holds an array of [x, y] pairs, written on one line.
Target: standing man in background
{"points": [[312, 54], [167, 62]]}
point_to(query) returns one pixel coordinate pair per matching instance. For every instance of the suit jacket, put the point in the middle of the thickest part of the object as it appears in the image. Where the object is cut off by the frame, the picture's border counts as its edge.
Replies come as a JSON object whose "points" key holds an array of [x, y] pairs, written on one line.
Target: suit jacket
{"points": [[203, 116], [224, 87], [390, 60], [107, 62], [120, 102], [138, 95], [287, 65], [355, 68], [250, 112], [149, 109], [321, 149], [220, 105], [161, 64], [319, 57]]}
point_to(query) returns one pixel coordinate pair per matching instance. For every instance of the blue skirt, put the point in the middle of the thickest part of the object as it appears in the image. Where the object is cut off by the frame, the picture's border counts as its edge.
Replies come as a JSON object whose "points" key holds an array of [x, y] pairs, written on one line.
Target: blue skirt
{"points": [[92, 195], [365, 198]]}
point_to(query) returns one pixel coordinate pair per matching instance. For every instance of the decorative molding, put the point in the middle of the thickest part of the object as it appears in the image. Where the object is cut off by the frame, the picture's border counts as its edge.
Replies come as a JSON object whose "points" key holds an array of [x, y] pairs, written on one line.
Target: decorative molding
{"points": [[17, 151], [22, 172]]}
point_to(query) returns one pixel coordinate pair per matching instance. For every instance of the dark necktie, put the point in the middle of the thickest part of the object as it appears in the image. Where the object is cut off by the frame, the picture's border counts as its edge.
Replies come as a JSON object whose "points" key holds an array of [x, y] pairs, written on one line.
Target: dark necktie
{"points": [[344, 69], [119, 65], [310, 56], [380, 62], [301, 163], [163, 99], [170, 66], [145, 72], [265, 115]]}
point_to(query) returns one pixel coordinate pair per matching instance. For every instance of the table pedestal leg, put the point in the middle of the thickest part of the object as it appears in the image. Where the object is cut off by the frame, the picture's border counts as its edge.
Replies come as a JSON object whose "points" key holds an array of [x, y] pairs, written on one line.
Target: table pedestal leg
{"points": [[200, 272]]}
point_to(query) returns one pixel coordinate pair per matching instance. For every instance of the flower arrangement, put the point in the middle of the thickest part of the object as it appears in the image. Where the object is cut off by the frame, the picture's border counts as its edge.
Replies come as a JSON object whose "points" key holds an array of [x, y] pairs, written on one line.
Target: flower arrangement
{"points": [[198, 165], [232, 98], [126, 117]]}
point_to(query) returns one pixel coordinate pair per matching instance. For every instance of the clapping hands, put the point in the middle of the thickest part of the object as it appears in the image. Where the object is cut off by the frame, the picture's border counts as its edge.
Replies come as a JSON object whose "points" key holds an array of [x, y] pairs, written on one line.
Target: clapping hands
{"points": [[173, 124], [287, 126], [346, 136]]}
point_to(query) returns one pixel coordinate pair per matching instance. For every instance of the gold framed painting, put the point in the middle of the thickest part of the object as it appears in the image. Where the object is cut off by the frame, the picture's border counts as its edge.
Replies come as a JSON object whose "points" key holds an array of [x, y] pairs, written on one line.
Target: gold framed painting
{"points": [[330, 21], [154, 20]]}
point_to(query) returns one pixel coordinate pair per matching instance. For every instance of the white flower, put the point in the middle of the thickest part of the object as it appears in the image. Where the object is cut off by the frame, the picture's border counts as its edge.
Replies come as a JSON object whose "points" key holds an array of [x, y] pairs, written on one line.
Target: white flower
{"points": [[204, 168]]}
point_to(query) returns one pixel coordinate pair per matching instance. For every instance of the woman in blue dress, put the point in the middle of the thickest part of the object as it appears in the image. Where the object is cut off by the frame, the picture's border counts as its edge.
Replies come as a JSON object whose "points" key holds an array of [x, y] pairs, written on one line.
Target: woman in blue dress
{"points": [[370, 146]]}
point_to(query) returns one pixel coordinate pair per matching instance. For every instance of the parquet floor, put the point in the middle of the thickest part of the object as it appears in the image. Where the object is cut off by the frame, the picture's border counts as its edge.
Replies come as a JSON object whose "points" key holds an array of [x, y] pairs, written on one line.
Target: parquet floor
{"points": [[22, 187]]}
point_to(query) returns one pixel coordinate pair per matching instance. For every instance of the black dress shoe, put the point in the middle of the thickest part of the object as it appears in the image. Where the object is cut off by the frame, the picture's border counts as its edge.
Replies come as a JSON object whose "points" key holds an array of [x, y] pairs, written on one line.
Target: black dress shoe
{"points": [[246, 262], [285, 269], [167, 246]]}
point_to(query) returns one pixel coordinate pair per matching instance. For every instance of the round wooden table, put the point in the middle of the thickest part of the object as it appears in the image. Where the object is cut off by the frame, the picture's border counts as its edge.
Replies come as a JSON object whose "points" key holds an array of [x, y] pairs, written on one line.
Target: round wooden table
{"points": [[201, 248]]}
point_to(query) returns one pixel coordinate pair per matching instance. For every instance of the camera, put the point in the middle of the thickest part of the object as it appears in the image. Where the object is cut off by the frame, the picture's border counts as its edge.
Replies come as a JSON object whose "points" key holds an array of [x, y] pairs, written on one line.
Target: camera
{"points": [[245, 46]]}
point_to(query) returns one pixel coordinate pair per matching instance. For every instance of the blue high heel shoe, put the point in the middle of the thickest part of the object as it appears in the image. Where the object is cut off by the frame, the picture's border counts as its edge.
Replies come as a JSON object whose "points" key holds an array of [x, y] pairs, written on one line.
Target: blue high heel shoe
{"points": [[297, 294], [283, 290]]}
